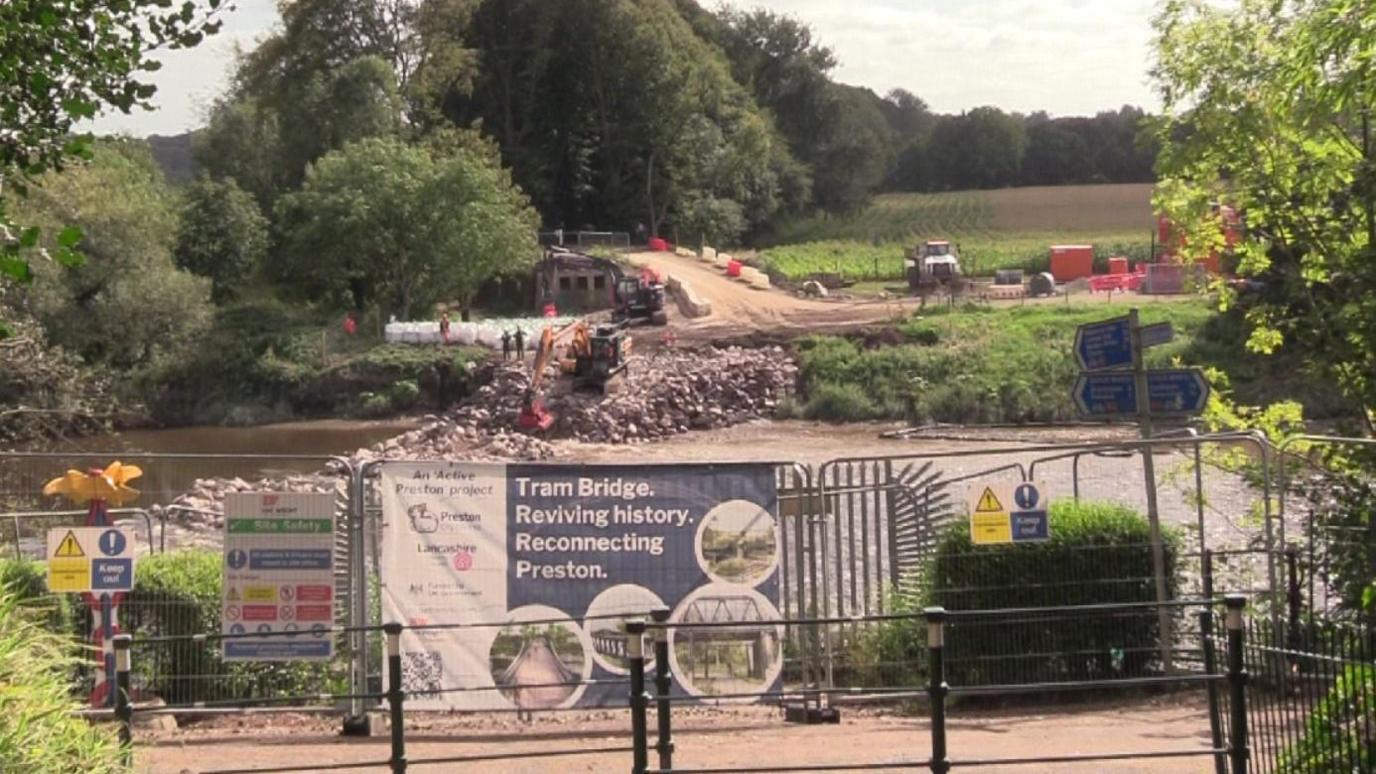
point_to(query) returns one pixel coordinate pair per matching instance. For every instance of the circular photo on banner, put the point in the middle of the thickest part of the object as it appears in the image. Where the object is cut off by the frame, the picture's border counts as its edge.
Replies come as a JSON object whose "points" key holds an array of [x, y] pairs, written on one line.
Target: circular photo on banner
{"points": [[605, 624], [723, 660], [738, 542], [537, 664]]}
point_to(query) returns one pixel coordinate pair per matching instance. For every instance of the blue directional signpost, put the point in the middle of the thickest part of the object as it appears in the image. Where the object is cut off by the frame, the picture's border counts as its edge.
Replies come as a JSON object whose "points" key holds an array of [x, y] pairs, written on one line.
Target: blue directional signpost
{"points": [[1110, 385], [1105, 344], [1181, 391]]}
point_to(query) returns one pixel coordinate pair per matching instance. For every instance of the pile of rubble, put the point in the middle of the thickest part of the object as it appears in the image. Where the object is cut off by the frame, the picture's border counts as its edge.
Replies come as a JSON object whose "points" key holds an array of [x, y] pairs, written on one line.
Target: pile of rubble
{"points": [[442, 438], [204, 503], [661, 394]]}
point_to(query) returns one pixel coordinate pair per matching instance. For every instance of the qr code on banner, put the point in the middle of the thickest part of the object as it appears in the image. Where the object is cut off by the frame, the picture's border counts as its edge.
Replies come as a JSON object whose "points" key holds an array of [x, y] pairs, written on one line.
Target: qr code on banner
{"points": [[422, 672]]}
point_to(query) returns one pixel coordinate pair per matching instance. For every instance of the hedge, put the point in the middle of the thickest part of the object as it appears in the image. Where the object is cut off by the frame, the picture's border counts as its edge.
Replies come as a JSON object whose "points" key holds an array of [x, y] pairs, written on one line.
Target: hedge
{"points": [[1098, 553]]}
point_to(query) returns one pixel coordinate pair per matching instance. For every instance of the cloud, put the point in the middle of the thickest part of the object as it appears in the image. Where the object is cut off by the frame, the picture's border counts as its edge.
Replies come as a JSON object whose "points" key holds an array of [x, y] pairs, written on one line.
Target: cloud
{"points": [[1067, 57]]}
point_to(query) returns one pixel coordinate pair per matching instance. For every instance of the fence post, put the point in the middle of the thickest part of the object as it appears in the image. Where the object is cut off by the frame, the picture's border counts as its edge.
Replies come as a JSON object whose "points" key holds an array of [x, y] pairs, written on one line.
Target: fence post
{"points": [[1238, 751], [664, 681], [1292, 597], [936, 685], [1206, 638], [124, 707], [395, 696], [1206, 569], [635, 654]]}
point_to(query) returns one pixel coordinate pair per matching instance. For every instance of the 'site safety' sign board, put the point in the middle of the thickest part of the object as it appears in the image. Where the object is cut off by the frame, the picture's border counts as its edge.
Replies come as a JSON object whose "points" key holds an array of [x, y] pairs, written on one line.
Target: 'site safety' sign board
{"points": [[94, 559]]}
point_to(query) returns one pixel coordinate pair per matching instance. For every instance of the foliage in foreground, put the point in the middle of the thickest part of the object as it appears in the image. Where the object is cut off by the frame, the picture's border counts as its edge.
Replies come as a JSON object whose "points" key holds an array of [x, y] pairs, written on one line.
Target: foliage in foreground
{"points": [[1266, 109], [1338, 735], [37, 733]]}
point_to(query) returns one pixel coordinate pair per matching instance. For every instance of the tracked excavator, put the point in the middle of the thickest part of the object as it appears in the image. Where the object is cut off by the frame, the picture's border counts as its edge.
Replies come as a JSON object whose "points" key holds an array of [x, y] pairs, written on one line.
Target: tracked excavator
{"points": [[594, 357]]}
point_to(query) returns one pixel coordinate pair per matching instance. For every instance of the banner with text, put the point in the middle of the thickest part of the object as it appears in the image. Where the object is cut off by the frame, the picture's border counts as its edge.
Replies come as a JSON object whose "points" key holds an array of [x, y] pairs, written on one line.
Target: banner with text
{"points": [[523, 548]]}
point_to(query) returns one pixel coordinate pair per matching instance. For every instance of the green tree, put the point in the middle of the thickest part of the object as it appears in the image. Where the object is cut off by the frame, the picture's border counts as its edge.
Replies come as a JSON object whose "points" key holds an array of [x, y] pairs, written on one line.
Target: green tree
{"points": [[127, 305], [1267, 107], [60, 63], [981, 148], [221, 235], [381, 223]]}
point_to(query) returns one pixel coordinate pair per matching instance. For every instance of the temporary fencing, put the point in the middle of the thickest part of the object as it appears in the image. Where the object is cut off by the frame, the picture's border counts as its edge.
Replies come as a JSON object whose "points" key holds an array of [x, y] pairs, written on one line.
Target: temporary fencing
{"points": [[180, 506], [857, 544]]}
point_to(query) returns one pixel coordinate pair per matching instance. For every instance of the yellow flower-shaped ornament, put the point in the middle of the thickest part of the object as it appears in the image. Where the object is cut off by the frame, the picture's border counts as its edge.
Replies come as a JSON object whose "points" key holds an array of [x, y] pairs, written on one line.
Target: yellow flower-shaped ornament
{"points": [[109, 485]]}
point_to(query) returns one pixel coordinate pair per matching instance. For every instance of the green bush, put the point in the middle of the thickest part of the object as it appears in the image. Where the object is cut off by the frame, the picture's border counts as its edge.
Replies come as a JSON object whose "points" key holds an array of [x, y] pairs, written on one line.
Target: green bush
{"points": [[404, 394], [177, 594], [1098, 553], [37, 730], [1338, 735], [841, 403]]}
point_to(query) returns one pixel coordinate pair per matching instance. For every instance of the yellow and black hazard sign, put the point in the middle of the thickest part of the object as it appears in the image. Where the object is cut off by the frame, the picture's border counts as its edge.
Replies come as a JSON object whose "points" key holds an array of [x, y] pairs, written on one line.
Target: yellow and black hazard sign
{"points": [[69, 548]]}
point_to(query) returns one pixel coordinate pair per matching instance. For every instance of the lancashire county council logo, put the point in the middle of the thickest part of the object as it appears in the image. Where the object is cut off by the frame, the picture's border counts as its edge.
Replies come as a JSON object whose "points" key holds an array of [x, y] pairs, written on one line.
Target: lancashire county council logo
{"points": [[463, 560], [421, 521]]}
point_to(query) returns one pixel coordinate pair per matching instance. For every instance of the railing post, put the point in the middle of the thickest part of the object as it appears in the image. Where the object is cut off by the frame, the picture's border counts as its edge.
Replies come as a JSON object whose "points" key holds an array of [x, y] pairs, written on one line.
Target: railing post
{"points": [[1238, 751], [664, 681], [124, 707], [1206, 562], [936, 685], [396, 697], [1292, 596], [635, 654], [1206, 638]]}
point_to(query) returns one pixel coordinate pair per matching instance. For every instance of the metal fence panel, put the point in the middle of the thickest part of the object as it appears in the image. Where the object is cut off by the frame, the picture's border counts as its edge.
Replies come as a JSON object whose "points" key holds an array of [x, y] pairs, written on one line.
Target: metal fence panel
{"points": [[180, 507]]}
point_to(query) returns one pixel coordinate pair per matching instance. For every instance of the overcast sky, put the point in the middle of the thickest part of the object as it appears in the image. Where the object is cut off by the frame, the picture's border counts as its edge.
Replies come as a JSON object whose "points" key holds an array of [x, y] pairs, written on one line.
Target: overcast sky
{"points": [[1068, 57]]}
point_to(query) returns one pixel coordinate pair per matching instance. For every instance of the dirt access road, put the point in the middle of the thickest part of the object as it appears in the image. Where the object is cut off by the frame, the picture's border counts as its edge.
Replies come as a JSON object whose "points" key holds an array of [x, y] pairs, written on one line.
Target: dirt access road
{"points": [[739, 308], [727, 737]]}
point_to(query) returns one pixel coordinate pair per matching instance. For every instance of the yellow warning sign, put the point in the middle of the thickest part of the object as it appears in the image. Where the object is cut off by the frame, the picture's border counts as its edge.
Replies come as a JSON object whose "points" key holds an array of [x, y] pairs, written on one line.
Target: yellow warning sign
{"points": [[989, 502], [69, 575], [990, 529], [233, 595], [260, 594], [68, 548]]}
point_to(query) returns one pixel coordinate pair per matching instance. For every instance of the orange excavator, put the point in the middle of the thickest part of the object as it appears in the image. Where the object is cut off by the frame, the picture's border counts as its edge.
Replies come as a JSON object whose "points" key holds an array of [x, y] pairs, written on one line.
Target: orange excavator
{"points": [[593, 357]]}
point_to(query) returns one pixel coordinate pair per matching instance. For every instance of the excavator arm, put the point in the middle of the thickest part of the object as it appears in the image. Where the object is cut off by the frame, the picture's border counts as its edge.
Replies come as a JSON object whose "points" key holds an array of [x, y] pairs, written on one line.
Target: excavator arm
{"points": [[534, 415]]}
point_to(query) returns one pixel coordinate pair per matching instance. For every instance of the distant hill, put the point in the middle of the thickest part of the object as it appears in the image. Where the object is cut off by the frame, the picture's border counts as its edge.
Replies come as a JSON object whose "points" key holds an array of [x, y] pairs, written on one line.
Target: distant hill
{"points": [[173, 154]]}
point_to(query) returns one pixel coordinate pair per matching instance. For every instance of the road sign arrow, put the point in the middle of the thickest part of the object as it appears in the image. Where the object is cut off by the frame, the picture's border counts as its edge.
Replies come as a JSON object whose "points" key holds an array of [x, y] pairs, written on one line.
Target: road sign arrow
{"points": [[1172, 391], [1177, 391], [1103, 345]]}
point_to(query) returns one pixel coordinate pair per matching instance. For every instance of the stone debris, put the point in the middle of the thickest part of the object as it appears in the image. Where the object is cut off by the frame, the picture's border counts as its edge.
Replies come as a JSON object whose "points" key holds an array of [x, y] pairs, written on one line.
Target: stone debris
{"points": [[661, 394]]}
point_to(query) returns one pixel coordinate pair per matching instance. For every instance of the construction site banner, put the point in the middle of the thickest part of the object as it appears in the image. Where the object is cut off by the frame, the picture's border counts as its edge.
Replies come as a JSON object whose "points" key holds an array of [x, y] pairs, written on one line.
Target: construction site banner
{"points": [[551, 559]]}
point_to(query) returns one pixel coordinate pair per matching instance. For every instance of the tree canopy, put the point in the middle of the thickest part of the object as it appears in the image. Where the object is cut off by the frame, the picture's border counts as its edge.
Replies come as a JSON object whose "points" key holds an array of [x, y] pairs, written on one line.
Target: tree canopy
{"points": [[61, 62], [221, 235], [401, 227], [1268, 110]]}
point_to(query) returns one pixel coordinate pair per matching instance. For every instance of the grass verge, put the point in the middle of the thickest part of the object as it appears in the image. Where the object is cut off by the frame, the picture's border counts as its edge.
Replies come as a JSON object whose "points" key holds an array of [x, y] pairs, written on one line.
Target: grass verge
{"points": [[995, 365]]}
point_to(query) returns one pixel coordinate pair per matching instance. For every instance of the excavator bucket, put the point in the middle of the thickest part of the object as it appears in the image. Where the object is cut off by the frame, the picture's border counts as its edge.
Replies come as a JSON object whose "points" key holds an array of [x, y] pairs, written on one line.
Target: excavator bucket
{"points": [[534, 416]]}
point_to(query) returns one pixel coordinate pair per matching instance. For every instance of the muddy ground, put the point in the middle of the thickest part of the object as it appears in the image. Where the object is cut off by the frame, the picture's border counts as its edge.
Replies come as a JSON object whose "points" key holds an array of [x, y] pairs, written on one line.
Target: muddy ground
{"points": [[726, 737]]}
